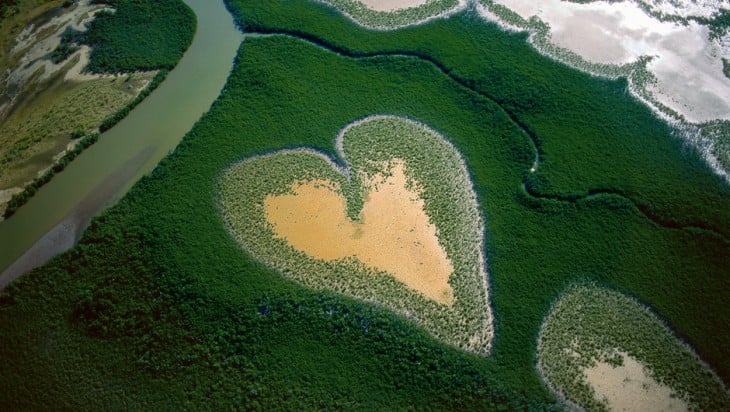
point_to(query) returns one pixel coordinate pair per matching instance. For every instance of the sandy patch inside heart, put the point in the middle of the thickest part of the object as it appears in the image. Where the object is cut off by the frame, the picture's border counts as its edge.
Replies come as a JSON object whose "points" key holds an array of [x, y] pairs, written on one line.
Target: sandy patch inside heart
{"points": [[393, 235], [630, 388], [391, 5]]}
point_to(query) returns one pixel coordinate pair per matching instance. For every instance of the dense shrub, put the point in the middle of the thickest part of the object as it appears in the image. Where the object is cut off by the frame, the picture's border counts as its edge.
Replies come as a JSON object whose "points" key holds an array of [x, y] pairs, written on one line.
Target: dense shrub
{"points": [[139, 35], [616, 199]]}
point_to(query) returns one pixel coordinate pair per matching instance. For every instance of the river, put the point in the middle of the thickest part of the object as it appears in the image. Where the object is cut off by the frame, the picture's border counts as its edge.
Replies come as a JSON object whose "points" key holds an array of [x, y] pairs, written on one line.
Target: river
{"points": [[54, 219]]}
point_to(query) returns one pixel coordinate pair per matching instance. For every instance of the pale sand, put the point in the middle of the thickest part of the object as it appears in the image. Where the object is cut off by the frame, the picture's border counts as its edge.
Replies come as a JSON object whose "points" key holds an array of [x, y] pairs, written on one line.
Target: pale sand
{"points": [[630, 388], [34, 47], [34, 43], [394, 234], [687, 65], [75, 72], [392, 5]]}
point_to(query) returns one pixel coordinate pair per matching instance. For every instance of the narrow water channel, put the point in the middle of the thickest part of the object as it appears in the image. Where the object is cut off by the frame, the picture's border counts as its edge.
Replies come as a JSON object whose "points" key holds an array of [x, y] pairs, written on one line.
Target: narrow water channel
{"points": [[53, 220]]}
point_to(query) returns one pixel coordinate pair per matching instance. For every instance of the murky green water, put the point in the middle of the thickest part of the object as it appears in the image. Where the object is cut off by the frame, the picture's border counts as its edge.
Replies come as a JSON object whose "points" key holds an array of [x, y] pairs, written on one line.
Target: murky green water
{"points": [[105, 171]]}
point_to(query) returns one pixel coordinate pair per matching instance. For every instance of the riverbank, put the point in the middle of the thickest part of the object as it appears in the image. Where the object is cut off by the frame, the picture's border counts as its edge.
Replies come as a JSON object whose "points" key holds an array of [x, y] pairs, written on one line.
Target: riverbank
{"points": [[159, 122], [62, 84], [46, 103]]}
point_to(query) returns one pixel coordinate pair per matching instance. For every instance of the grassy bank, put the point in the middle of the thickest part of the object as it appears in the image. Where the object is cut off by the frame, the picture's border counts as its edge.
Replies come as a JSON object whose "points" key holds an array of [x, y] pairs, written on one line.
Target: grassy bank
{"points": [[79, 133], [42, 126], [160, 291]]}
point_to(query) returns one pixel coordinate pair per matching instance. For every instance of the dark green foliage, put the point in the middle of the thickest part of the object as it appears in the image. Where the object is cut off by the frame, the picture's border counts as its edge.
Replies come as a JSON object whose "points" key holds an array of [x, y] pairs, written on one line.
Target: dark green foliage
{"points": [[583, 124], [617, 200], [70, 40], [62, 52], [6, 7], [719, 23], [78, 132], [139, 35]]}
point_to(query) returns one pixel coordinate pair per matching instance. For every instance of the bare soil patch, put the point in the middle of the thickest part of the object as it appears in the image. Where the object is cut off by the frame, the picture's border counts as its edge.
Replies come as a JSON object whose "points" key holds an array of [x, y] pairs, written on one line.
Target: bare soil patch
{"points": [[629, 387], [391, 5], [394, 234]]}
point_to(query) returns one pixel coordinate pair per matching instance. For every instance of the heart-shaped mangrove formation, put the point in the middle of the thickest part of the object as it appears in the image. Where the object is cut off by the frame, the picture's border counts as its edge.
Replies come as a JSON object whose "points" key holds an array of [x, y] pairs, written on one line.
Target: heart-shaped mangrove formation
{"points": [[399, 225]]}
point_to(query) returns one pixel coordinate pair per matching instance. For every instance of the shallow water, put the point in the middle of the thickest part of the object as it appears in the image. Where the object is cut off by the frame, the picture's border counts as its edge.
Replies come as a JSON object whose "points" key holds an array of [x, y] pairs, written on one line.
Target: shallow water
{"points": [[156, 126], [686, 63]]}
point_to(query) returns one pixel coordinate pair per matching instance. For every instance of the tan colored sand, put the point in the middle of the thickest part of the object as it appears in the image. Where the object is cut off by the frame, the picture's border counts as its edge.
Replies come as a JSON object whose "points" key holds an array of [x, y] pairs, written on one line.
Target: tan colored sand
{"points": [[391, 5], [630, 388], [394, 234]]}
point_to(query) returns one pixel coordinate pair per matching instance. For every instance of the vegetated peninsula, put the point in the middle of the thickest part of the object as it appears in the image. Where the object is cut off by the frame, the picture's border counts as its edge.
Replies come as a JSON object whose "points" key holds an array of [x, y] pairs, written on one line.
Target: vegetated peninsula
{"points": [[73, 69], [607, 238]]}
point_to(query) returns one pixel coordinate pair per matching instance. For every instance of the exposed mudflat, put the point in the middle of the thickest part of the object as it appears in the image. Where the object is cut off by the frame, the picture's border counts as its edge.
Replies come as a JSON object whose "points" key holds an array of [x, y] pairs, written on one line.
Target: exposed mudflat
{"points": [[391, 5], [394, 234], [630, 388], [686, 63], [35, 43]]}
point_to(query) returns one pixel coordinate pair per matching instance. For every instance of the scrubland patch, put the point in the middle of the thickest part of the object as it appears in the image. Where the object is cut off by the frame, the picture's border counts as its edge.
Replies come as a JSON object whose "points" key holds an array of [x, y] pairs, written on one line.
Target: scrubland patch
{"points": [[389, 159], [40, 129], [601, 350]]}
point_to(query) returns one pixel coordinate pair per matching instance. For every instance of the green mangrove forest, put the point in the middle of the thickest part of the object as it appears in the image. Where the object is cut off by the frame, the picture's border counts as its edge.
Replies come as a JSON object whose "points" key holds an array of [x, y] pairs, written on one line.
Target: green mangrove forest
{"points": [[159, 307]]}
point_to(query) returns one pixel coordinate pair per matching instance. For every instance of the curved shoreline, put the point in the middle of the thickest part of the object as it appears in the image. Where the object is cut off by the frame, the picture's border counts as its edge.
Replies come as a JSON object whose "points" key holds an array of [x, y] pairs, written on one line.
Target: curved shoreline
{"points": [[651, 319], [159, 123], [67, 232], [637, 74], [461, 5], [483, 269]]}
